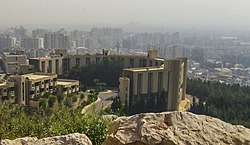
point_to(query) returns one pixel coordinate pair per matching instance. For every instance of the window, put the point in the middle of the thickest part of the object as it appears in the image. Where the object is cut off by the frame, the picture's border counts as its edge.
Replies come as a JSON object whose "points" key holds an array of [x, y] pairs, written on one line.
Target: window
{"points": [[143, 62], [23, 90], [150, 83], [77, 62], [97, 59], [43, 66], [131, 62], [160, 81], [57, 66], [50, 67], [88, 61], [139, 85]]}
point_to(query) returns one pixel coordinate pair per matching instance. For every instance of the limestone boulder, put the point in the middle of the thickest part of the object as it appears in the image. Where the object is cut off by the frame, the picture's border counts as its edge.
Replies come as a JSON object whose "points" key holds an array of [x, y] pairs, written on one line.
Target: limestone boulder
{"points": [[71, 139], [175, 128]]}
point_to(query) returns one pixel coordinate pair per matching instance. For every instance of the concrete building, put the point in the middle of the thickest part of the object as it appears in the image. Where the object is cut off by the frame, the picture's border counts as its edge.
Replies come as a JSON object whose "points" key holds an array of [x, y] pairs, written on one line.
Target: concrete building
{"points": [[13, 61], [29, 86], [129, 61], [55, 40], [158, 88], [68, 86], [32, 42], [7, 42], [7, 90], [39, 33], [105, 37], [62, 62], [51, 64], [16, 32]]}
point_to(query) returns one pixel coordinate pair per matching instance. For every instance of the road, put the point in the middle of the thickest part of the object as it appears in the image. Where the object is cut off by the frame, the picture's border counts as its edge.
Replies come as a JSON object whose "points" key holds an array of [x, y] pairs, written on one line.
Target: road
{"points": [[104, 100]]}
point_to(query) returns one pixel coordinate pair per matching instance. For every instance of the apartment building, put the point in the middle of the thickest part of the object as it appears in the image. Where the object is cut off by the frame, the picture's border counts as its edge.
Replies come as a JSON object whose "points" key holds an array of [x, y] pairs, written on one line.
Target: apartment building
{"points": [[50, 64], [7, 90], [32, 42], [62, 62], [67, 86], [11, 62], [55, 40], [7, 42], [129, 61], [30, 86], [153, 89]]}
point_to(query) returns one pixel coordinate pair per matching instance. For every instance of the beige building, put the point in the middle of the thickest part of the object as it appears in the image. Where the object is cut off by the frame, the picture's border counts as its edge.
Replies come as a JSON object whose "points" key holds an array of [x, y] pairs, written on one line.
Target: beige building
{"points": [[68, 86], [51, 64], [158, 88], [129, 61], [13, 61], [7, 90], [31, 85], [62, 62]]}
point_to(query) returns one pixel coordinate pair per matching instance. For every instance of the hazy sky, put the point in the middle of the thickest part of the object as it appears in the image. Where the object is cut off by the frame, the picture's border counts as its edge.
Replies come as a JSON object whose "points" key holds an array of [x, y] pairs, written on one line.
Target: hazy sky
{"points": [[228, 14]]}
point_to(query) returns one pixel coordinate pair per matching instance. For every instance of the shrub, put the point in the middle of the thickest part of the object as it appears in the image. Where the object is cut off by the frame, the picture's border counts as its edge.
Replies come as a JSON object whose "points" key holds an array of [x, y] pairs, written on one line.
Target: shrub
{"points": [[74, 98], [68, 102], [52, 100], [18, 122], [43, 103], [82, 96], [60, 98]]}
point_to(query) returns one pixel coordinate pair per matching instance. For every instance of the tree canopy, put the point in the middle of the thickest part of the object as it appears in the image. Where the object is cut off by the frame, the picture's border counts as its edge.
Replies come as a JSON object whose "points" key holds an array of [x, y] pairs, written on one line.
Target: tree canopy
{"points": [[107, 72], [230, 103]]}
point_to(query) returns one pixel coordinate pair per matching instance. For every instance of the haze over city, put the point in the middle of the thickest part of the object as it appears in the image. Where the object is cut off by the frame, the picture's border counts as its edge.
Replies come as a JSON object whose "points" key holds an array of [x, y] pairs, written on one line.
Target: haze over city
{"points": [[128, 14], [83, 71]]}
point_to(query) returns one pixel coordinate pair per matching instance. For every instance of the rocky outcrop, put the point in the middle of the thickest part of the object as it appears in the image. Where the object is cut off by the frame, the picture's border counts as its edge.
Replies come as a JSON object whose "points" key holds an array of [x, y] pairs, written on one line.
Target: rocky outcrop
{"points": [[175, 128], [71, 139]]}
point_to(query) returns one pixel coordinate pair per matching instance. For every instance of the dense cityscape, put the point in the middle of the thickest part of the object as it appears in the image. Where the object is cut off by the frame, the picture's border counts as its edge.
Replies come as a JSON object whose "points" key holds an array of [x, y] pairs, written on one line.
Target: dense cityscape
{"points": [[99, 74]]}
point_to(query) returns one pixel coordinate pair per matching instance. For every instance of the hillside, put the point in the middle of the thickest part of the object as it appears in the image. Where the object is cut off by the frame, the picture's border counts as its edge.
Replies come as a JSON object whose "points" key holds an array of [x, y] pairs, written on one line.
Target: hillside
{"points": [[167, 128]]}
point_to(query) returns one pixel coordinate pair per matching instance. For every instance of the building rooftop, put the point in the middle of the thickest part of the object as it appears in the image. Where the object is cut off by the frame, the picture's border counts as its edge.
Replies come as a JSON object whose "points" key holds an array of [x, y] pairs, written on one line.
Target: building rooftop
{"points": [[6, 84], [11, 54], [144, 69], [45, 58], [38, 76], [64, 82], [160, 59]]}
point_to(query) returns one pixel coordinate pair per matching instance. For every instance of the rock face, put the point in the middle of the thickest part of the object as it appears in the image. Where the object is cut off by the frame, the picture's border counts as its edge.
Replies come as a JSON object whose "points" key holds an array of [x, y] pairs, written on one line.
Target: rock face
{"points": [[175, 128], [71, 139]]}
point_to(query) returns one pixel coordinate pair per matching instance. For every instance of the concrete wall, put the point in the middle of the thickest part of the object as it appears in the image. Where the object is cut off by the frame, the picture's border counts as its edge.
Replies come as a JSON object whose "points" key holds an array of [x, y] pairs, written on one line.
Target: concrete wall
{"points": [[124, 90]]}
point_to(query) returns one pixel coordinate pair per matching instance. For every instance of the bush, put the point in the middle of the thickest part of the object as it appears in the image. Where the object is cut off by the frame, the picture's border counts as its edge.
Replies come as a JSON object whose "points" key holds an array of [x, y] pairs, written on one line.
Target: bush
{"points": [[82, 96], [52, 100], [43, 103], [16, 121], [68, 102], [74, 98], [60, 98]]}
